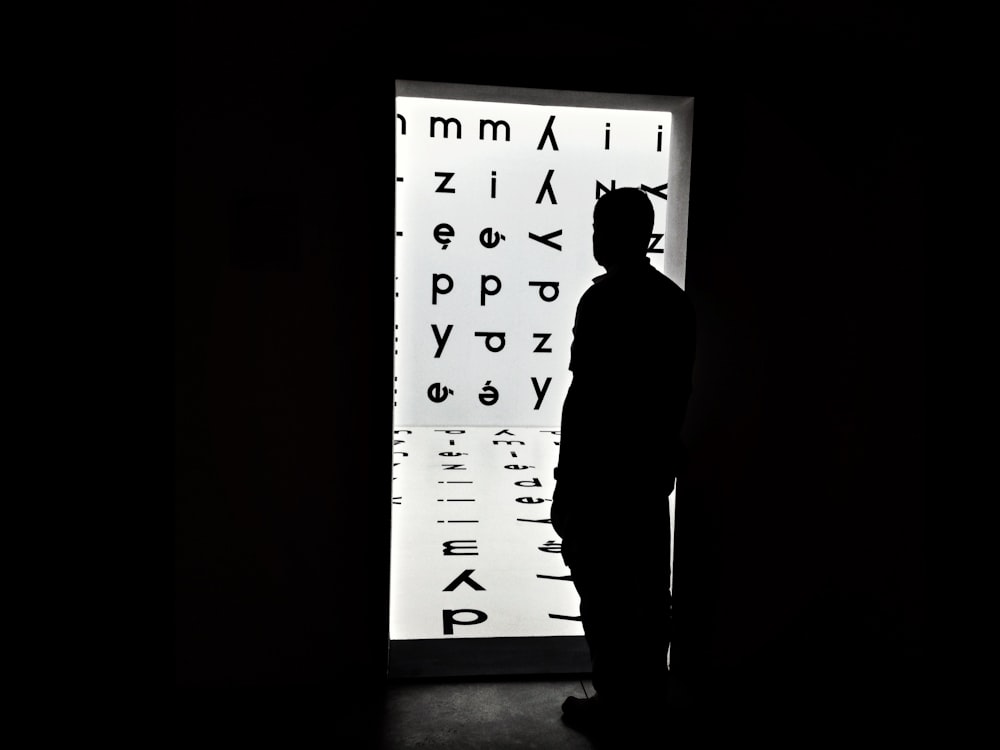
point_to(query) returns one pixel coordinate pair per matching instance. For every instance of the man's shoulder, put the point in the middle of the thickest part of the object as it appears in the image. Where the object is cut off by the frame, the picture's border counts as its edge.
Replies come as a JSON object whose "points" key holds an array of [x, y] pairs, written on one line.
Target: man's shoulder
{"points": [[659, 277], [596, 291], [670, 291], [647, 287], [649, 282]]}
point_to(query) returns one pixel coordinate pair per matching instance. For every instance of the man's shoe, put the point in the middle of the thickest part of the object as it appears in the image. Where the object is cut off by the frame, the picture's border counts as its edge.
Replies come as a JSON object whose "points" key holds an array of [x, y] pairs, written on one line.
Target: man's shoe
{"points": [[584, 714]]}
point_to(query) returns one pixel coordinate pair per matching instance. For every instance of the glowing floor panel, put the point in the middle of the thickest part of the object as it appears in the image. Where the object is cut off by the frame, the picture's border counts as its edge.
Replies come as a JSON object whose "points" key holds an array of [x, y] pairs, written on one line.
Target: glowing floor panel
{"points": [[472, 541], [474, 554]]}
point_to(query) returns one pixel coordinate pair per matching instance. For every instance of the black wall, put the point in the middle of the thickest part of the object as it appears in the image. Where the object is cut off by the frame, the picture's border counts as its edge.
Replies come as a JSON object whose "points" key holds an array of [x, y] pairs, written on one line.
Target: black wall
{"points": [[799, 558]]}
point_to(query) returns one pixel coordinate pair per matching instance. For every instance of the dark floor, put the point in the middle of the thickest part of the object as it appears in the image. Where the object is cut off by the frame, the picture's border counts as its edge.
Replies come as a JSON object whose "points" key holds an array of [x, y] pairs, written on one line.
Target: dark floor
{"points": [[491, 715], [450, 714], [524, 712], [508, 714]]}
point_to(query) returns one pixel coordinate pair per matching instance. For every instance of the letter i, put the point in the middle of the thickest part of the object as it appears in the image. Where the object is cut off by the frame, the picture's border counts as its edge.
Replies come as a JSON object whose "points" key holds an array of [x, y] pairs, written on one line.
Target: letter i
{"points": [[659, 137], [607, 136], [493, 184]]}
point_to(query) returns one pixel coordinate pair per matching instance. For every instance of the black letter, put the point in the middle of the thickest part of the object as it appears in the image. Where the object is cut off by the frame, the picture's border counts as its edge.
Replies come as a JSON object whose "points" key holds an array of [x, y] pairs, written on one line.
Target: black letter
{"points": [[540, 392], [547, 188], [543, 285], [490, 239], [549, 134], [441, 340], [657, 191], [448, 615], [438, 393], [601, 188], [496, 125], [483, 291], [447, 124], [546, 239], [541, 348], [435, 291], [489, 336], [442, 188], [402, 122], [490, 395], [465, 577], [450, 547], [443, 234]]}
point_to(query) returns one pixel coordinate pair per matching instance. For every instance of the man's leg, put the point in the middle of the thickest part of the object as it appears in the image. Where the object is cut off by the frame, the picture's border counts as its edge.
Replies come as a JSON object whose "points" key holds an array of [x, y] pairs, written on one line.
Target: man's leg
{"points": [[586, 713], [627, 629], [626, 611]]}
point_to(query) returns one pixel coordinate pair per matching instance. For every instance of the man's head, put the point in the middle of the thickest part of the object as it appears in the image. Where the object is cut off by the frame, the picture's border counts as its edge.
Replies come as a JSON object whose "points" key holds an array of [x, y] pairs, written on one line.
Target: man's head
{"points": [[623, 223]]}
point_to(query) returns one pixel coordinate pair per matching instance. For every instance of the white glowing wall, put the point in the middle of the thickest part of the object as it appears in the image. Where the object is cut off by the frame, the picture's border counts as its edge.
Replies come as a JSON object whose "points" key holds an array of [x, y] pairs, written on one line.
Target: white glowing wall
{"points": [[495, 190], [494, 205]]}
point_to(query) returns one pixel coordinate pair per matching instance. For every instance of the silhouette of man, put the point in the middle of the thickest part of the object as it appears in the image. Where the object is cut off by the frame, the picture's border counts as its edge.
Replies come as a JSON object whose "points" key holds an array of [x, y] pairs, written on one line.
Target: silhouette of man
{"points": [[632, 357]]}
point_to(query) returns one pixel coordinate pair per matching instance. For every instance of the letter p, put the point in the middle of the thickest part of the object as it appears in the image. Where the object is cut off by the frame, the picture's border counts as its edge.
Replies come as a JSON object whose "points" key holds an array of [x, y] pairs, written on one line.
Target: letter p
{"points": [[449, 622]]}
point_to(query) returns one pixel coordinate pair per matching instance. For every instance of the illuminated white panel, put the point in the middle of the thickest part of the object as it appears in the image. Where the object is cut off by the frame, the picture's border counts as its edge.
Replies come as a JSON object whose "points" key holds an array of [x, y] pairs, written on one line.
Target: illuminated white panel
{"points": [[495, 248], [495, 190]]}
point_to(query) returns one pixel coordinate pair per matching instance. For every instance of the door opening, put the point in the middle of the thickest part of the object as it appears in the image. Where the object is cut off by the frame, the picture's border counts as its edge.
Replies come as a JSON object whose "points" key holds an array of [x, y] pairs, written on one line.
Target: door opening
{"points": [[494, 193]]}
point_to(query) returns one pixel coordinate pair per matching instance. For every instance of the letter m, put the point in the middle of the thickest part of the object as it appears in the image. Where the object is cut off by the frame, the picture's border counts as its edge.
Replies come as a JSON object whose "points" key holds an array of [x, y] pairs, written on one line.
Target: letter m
{"points": [[447, 125], [496, 126]]}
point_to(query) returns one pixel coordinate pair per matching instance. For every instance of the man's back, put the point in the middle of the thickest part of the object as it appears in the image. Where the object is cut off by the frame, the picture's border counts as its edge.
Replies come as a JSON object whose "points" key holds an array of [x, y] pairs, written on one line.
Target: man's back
{"points": [[632, 355]]}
